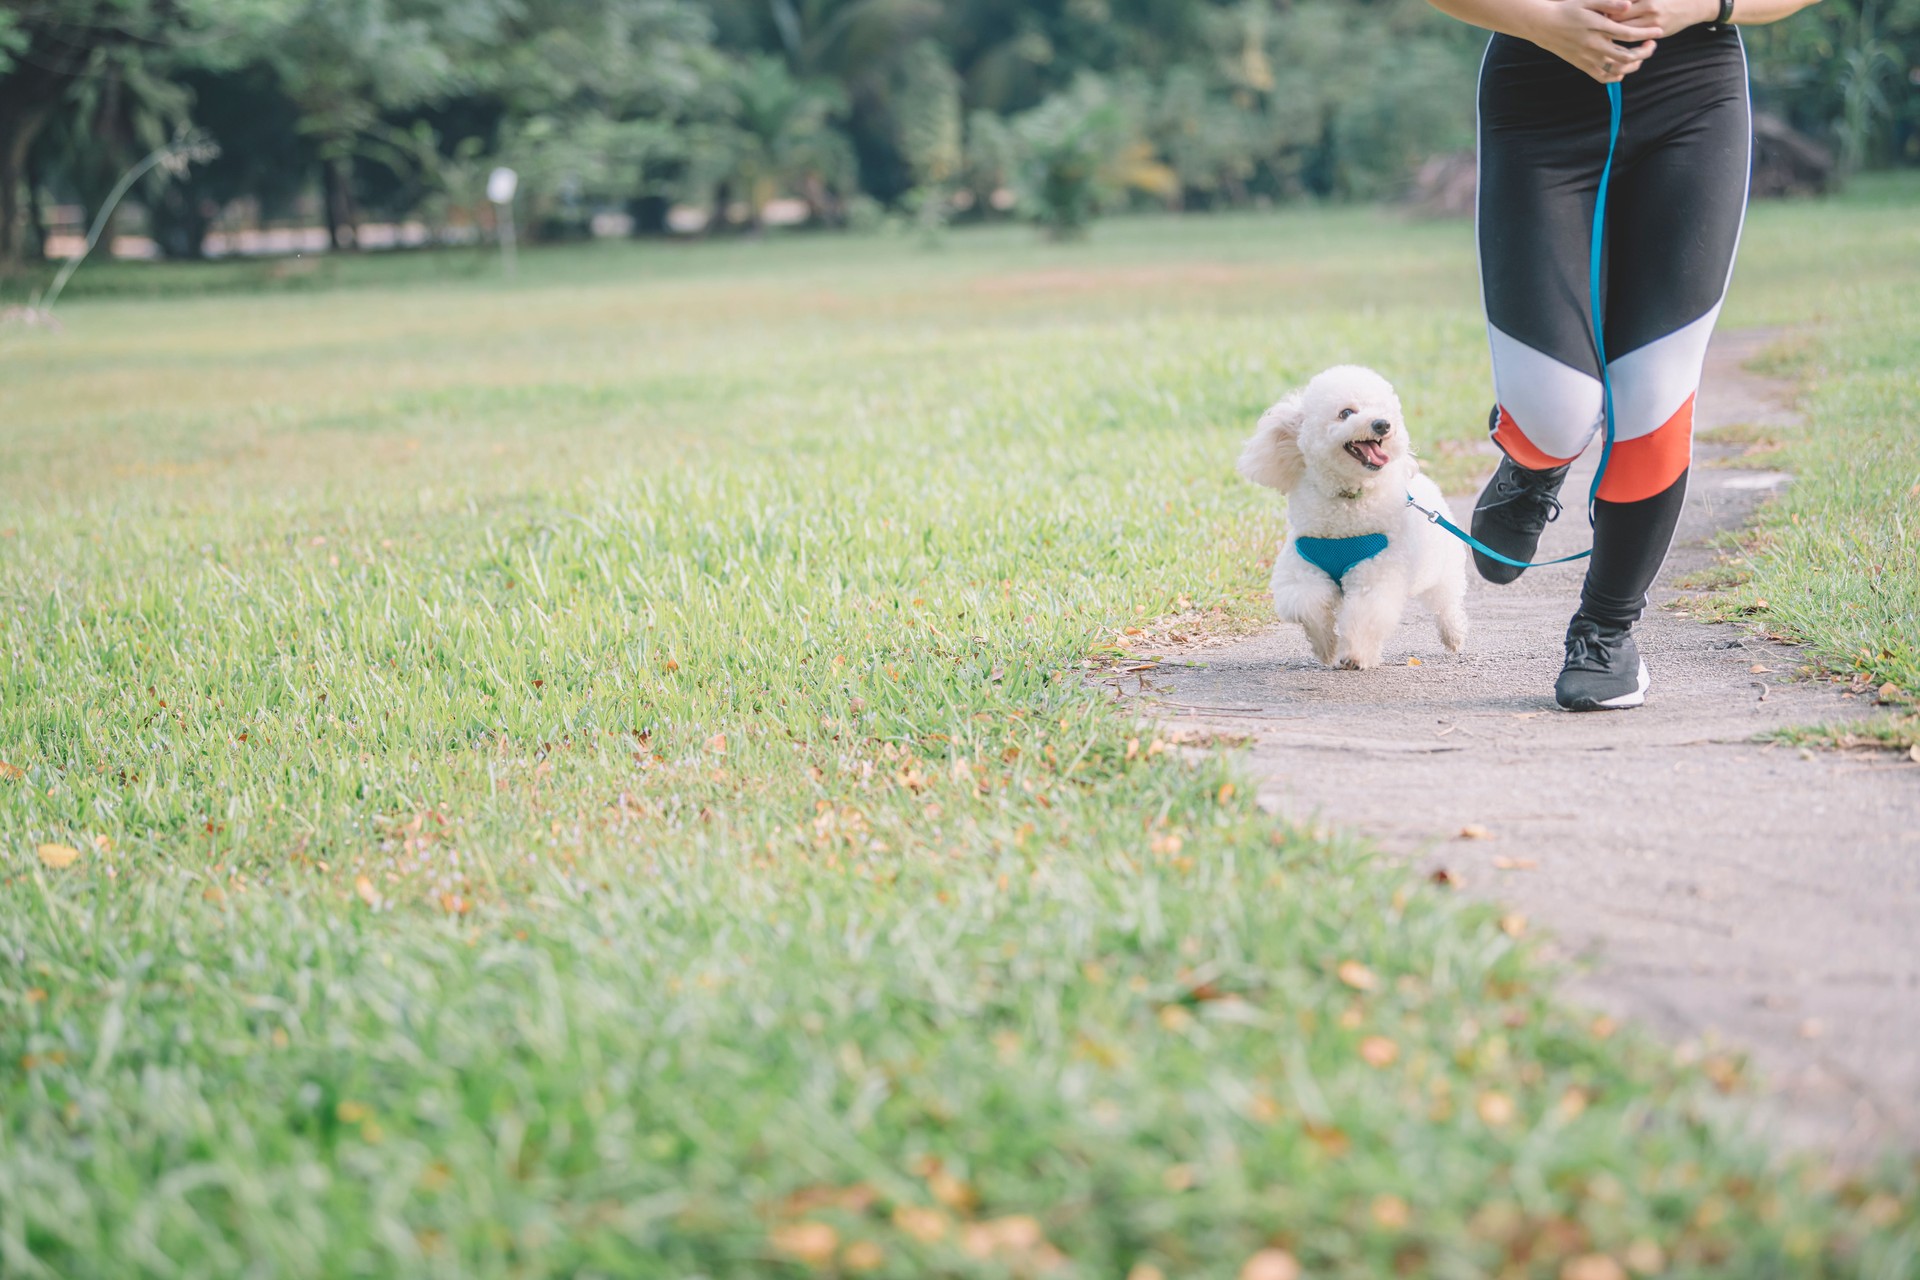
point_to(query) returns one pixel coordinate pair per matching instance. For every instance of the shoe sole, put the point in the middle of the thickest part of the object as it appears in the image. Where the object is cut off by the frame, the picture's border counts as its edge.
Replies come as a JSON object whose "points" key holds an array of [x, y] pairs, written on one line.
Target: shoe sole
{"points": [[1494, 571], [1625, 702]]}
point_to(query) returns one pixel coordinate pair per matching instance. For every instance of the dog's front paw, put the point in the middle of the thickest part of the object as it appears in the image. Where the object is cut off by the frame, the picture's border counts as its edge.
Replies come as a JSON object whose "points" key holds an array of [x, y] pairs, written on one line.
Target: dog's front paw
{"points": [[1356, 659]]}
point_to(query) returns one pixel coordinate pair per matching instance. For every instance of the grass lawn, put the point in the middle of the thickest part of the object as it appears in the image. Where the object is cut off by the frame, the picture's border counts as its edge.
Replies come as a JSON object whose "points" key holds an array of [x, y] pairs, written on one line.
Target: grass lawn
{"points": [[593, 777]]}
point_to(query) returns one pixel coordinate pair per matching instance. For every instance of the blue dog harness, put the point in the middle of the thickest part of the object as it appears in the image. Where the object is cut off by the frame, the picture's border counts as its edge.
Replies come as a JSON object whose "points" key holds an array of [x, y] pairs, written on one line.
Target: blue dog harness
{"points": [[1335, 556]]}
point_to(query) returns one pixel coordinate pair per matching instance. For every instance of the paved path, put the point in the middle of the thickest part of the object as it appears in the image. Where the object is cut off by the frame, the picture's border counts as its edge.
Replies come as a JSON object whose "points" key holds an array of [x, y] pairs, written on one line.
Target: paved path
{"points": [[1761, 894]]}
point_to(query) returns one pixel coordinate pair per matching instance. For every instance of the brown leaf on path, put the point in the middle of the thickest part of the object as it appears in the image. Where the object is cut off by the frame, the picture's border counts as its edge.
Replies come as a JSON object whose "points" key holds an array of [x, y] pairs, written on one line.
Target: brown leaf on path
{"points": [[1474, 831], [1378, 1051], [1444, 878], [58, 856], [1270, 1264], [1513, 924], [810, 1242], [1357, 975], [1515, 864], [1759, 669]]}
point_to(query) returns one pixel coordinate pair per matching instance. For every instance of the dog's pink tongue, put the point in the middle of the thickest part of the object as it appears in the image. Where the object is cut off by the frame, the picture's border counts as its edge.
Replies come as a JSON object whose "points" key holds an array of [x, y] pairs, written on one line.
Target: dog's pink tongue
{"points": [[1375, 454]]}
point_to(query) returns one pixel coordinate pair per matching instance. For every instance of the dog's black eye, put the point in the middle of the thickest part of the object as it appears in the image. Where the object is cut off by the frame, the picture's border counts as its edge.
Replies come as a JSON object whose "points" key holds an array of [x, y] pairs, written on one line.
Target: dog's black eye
{"points": [[1347, 413]]}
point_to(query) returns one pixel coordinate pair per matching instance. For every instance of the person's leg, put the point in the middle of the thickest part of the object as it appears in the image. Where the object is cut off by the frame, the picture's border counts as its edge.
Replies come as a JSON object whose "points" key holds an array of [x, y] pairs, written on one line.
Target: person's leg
{"points": [[1677, 200], [1677, 206], [1542, 143]]}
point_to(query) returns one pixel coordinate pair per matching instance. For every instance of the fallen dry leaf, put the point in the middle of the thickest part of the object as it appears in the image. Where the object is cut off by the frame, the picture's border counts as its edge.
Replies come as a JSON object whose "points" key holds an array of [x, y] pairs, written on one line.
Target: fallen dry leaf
{"points": [[1330, 1139], [1515, 864], [1495, 1109], [717, 744], [1378, 1051], [368, 894], [1444, 878], [863, 1255], [810, 1242], [1391, 1212], [1357, 975], [1592, 1266], [58, 856], [1413, 662], [1014, 1234], [1759, 669], [1145, 1271], [11, 771], [1270, 1264], [1474, 831], [1645, 1257], [923, 1224], [1513, 924], [952, 1192]]}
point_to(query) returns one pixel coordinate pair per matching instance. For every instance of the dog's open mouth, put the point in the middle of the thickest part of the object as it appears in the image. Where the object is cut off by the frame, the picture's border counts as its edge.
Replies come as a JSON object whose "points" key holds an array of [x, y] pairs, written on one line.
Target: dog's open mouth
{"points": [[1369, 452]]}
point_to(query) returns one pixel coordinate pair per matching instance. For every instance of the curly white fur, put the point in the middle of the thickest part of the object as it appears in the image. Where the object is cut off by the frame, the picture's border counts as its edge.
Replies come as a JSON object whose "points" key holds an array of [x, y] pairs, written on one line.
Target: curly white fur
{"points": [[1301, 447]]}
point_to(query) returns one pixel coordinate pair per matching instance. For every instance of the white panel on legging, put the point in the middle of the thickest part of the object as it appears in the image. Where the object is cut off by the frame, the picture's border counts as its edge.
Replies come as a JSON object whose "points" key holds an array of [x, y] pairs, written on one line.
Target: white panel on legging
{"points": [[1650, 384], [1556, 406]]}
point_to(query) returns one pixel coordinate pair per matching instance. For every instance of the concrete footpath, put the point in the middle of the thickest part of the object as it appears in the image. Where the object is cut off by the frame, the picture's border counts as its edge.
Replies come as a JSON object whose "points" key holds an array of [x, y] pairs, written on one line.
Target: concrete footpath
{"points": [[1714, 887]]}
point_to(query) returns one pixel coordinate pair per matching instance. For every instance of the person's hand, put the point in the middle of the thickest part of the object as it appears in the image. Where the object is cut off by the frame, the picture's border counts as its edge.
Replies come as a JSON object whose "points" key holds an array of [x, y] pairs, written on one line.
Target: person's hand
{"points": [[1594, 35], [1670, 16]]}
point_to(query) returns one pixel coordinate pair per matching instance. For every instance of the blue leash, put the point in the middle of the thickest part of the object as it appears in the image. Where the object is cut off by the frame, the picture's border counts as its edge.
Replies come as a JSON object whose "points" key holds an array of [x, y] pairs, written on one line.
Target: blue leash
{"points": [[1599, 348]]}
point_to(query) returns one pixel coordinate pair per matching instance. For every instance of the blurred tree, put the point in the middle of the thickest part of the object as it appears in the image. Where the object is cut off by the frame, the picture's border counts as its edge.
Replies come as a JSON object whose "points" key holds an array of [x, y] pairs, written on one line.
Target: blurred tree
{"points": [[55, 48]]}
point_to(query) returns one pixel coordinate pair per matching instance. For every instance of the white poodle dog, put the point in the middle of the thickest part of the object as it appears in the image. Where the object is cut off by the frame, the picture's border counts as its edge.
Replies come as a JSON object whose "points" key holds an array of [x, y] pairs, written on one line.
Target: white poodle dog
{"points": [[1355, 551]]}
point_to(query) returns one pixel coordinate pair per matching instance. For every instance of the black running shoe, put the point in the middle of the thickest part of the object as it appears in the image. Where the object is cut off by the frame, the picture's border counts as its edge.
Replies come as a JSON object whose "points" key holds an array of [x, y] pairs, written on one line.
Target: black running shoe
{"points": [[1512, 513], [1603, 672]]}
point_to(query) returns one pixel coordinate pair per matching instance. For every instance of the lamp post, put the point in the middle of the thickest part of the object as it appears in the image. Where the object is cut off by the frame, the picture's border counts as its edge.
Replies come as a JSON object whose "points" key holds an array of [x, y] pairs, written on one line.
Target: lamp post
{"points": [[501, 184]]}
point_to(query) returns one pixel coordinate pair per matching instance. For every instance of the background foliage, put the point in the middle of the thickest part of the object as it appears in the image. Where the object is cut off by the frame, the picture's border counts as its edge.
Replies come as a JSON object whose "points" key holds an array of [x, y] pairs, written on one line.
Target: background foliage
{"points": [[351, 109]]}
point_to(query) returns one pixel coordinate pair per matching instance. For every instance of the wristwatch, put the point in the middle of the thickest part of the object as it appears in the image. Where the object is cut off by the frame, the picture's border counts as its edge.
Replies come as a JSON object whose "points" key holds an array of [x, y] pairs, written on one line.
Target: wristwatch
{"points": [[1725, 19]]}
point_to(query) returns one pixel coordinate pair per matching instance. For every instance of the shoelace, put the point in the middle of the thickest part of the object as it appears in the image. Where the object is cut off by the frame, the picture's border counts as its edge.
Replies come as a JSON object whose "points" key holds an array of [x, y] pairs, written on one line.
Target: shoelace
{"points": [[1513, 488], [1588, 647]]}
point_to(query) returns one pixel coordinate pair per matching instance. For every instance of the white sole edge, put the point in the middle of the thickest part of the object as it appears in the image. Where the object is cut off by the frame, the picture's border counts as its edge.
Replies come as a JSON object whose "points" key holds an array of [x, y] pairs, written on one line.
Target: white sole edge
{"points": [[1625, 701]]}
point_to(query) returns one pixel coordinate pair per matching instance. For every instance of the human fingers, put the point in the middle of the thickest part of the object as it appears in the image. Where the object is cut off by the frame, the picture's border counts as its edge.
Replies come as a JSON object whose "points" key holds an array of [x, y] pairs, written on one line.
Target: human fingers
{"points": [[1626, 33], [1612, 66]]}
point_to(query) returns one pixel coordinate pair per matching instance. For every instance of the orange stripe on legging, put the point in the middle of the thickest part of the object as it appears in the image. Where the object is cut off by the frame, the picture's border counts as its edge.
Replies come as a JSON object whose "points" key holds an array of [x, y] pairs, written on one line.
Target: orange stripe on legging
{"points": [[1514, 443], [1642, 467]]}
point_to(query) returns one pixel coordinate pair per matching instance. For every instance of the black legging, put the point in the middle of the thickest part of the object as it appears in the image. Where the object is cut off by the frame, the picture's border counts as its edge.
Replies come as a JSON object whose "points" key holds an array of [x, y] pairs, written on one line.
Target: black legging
{"points": [[1678, 195]]}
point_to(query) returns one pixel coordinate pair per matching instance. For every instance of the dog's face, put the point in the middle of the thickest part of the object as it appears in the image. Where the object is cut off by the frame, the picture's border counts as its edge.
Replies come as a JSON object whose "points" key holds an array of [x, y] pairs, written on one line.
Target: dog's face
{"points": [[1350, 423], [1344, 428]]}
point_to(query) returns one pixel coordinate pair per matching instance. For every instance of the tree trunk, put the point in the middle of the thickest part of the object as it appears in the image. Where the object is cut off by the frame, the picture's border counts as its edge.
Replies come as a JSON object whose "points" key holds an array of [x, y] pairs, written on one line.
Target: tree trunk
{"points": [[43, 72], [18, 129], [343, 220], [36, 203]]}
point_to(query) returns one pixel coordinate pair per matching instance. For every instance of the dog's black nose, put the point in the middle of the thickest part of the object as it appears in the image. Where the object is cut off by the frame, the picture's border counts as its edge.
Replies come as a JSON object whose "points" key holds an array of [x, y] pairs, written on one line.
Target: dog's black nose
{"points": [[1381, 426]]}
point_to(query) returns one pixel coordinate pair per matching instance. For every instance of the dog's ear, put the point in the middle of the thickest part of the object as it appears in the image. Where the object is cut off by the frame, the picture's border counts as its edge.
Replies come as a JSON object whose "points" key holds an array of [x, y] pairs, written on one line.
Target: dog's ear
{"points": [[1272, 457]]}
